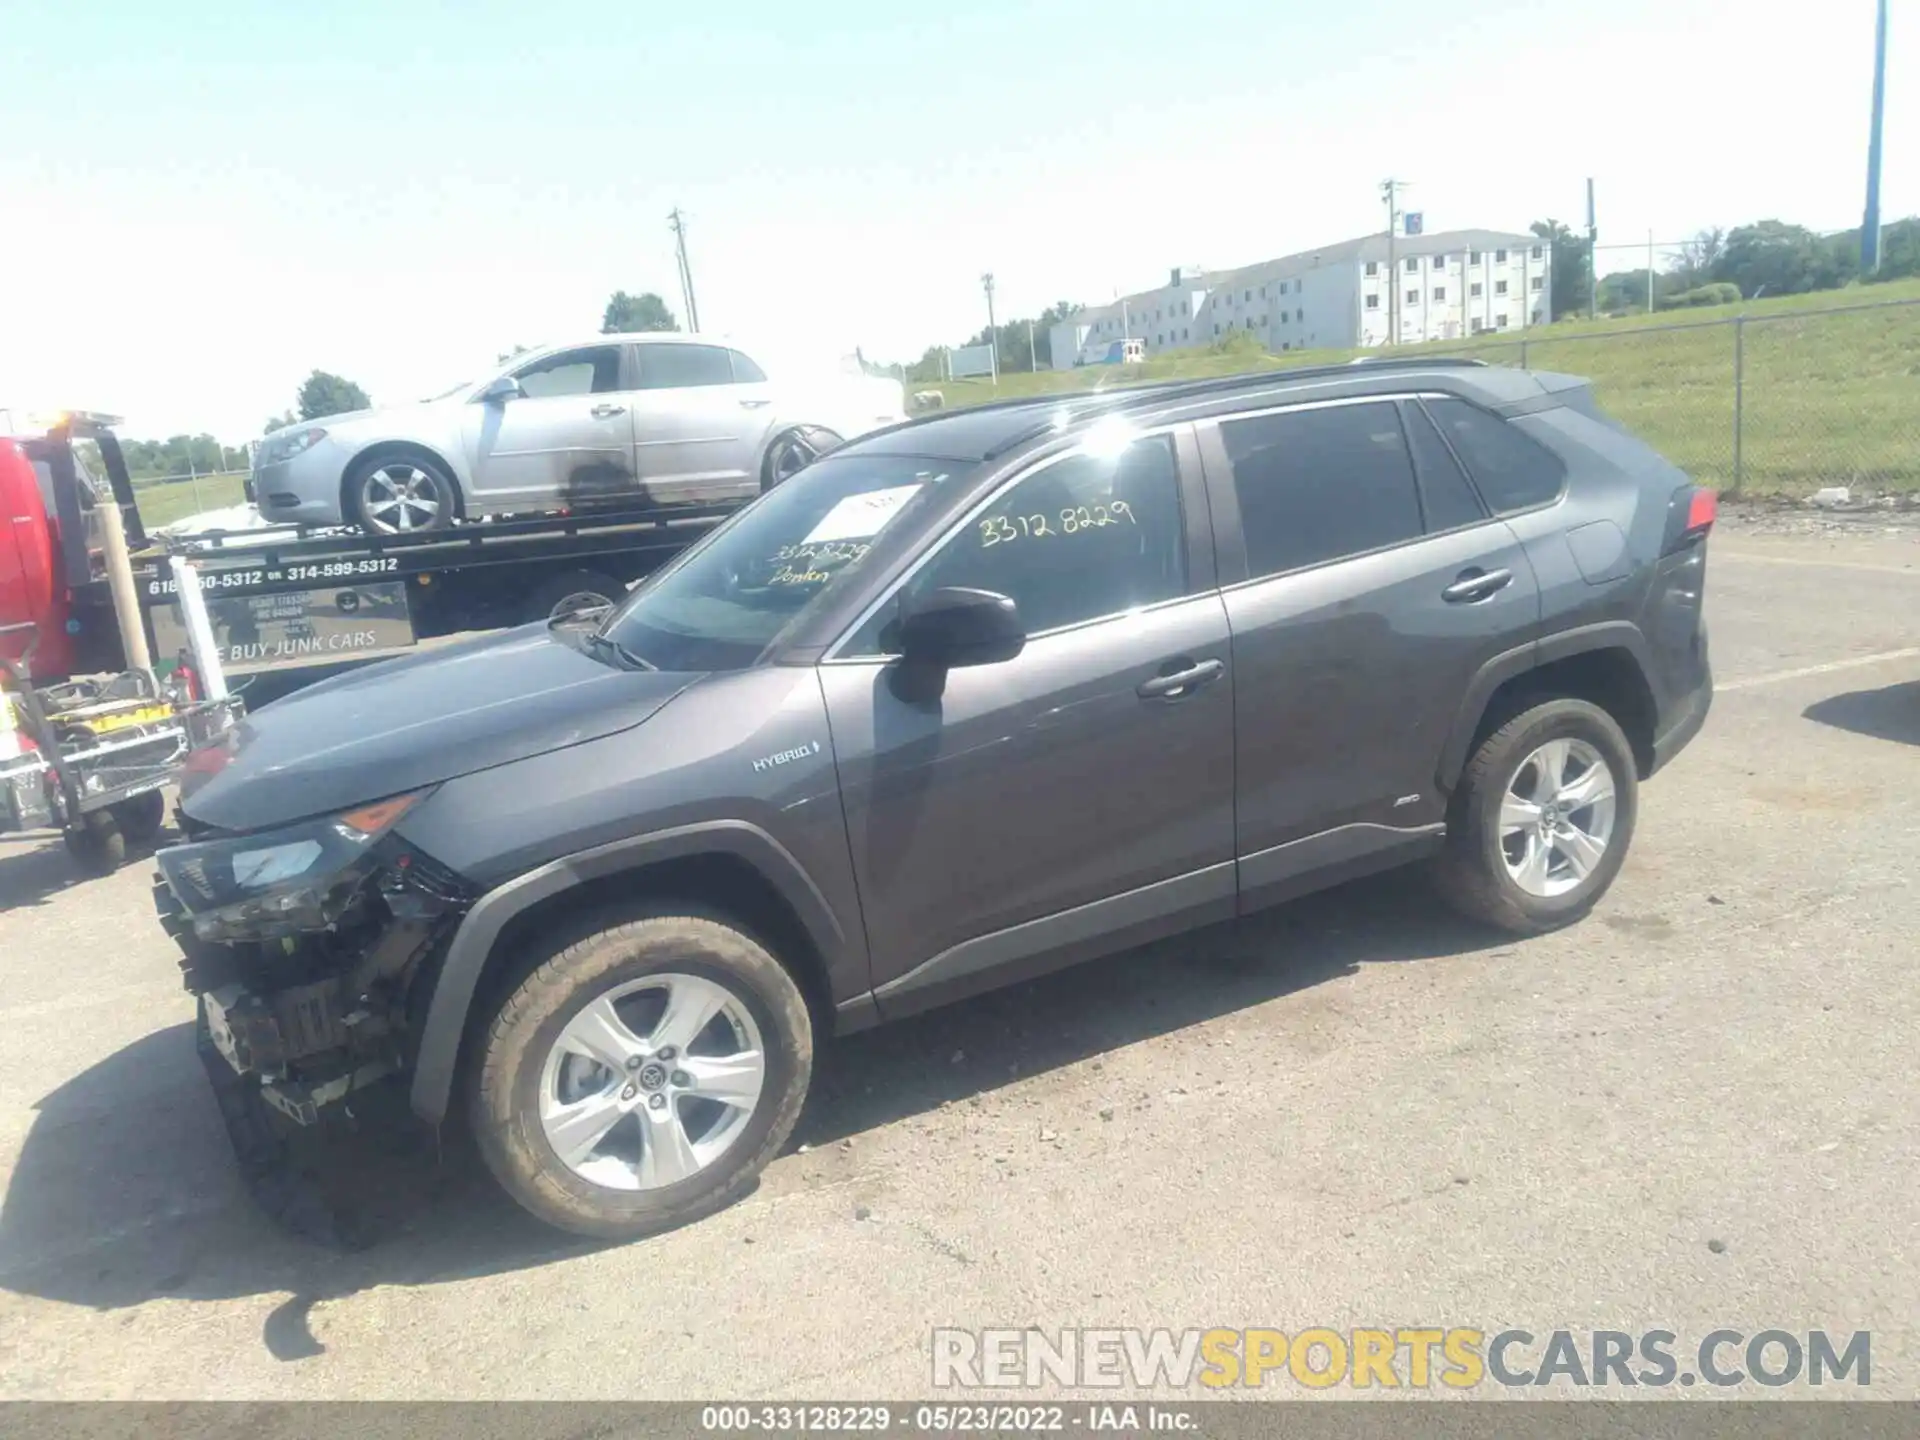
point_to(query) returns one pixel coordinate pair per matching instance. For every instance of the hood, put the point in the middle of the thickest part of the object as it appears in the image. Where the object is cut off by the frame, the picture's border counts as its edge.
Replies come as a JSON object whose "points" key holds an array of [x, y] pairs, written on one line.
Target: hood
{"points": [[408, 723]]}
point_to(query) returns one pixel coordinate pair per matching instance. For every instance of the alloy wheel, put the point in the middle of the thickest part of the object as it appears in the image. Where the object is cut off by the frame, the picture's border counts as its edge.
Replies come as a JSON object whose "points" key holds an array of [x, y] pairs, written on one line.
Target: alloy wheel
{"points": [[652, 1082], [1556, 817], [398, 498]]}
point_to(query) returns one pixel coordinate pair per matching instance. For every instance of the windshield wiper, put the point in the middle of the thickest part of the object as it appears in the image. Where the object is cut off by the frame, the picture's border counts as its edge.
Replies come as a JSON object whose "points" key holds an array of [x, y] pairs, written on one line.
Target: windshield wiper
{"points": [[594, 637]]}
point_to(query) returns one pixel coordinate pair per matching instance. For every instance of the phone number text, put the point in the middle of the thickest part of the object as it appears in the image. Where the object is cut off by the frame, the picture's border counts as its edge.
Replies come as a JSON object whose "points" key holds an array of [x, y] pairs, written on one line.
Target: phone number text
{"points": [[217, 580]]}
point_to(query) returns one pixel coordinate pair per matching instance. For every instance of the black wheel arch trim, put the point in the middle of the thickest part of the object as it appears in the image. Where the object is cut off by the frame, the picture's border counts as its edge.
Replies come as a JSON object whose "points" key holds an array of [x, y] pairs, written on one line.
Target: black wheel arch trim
{"points": [[1509, 664], [437, 1055]]}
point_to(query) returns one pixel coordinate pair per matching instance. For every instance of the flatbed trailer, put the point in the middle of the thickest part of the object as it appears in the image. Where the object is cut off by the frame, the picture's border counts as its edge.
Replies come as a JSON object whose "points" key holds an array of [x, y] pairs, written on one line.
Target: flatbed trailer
{"points": [[292, 601]]}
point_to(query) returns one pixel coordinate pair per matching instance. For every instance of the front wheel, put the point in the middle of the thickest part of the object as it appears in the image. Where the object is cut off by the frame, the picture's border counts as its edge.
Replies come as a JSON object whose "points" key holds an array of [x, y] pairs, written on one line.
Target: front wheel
{"points": [[642, 1076], [1540, 825], [97, 843], [399, 495]]}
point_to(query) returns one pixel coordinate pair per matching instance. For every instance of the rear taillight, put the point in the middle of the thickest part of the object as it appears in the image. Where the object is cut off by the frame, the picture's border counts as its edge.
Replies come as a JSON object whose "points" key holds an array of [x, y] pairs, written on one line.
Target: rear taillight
{"points": [[1690, 515]]}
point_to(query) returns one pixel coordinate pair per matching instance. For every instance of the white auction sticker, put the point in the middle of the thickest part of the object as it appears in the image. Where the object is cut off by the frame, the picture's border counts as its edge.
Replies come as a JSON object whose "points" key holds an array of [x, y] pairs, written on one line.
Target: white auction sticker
{"points": [[861, 517]]}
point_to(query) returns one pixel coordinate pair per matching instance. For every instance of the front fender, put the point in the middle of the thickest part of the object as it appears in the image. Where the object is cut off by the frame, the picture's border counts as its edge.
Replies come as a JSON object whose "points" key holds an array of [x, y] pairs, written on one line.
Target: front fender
{"points": [[438, 1052]]}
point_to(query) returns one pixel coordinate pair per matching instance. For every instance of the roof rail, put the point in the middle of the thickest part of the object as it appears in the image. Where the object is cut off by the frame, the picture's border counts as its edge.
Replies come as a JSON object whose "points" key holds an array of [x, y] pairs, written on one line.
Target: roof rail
{"points": [[1156, 390]]}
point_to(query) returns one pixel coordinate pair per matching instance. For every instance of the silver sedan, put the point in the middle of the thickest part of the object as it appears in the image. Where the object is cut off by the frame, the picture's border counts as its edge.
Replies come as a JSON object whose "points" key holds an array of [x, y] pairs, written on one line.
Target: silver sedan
{"points": [[618, 420]]}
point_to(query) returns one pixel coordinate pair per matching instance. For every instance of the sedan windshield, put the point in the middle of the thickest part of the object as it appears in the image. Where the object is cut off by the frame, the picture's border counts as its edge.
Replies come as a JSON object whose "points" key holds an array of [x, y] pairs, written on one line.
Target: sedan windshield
{"points": [[724, 602]]}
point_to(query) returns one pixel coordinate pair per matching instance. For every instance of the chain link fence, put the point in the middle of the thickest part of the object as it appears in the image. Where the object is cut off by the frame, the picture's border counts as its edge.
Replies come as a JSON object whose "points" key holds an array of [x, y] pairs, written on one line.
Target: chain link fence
{"points": [[166, 498], [1780, 404]]}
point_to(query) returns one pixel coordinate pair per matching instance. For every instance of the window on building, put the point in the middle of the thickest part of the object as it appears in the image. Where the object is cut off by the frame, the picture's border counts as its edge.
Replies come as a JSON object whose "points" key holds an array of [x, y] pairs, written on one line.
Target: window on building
{"points": [[1319, 485], [1373, 302], [1478, 324], [1413, 297], [1413, 264], [1439, 293], [1300, 315], [1537, 281], [1475, 289], [1500, 322], [1536, 317], [1513, 470], [1536, 252], [1183, 332], [1499, 287], [1216, 327], [1439, 262], [1373, 268], [1159, 339], [1285, 345], [1499, 257], [1473, 257], [1445, 493], [1249, 296]]}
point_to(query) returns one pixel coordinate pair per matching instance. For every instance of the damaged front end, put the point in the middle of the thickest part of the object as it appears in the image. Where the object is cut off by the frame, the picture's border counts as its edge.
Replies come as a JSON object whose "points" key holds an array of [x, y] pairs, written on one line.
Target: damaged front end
{"points": [[311, 950]]}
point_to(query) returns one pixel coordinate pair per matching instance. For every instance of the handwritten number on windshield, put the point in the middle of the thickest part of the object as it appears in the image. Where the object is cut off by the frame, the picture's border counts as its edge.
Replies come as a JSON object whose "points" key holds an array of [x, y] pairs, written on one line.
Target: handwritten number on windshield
{"points": [[1005, 529]]}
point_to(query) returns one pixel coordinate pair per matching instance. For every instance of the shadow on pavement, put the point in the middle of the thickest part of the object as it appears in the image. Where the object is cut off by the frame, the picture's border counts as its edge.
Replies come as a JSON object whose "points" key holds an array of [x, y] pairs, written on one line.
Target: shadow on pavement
{"points": [[35, 868], [125, 1189], [1889, 713]]}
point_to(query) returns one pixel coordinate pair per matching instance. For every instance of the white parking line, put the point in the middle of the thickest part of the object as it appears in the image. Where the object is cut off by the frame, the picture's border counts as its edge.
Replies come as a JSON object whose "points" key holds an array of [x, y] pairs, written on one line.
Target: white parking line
{"points": [[1911, 571], [1805, 670]]}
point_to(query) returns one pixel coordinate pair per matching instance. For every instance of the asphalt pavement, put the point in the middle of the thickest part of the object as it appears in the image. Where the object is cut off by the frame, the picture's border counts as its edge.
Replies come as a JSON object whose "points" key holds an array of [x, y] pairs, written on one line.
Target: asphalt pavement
{"points": [[1700, 1108]]}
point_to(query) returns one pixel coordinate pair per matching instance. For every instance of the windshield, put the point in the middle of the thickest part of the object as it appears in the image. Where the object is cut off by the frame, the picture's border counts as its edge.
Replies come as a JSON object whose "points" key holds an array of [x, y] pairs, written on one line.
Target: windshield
{"points": [[727, 599]]}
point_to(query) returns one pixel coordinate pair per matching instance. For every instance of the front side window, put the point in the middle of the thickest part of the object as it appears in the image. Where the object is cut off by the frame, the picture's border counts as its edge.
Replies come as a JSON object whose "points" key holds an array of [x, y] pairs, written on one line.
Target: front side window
{"points": [[667, 366], [745, 372], [592, 370], [1321, 484], [1081, 538], [729, 598]]}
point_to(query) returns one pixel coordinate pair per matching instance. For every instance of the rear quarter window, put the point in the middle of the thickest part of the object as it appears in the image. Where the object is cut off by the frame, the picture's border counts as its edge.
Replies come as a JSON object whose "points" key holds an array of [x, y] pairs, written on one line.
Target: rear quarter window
{"points": [[1512, 470]]}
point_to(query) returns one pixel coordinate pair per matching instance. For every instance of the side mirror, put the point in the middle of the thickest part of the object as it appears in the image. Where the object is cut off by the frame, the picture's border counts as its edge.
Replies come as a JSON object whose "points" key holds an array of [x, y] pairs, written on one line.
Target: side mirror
{"points": [[952, 627], [500, 391]]}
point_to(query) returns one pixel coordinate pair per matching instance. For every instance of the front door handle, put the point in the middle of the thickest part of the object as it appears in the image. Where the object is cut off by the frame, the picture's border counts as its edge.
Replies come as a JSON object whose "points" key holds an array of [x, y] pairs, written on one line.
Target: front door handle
{"points": [[754, 404], [1178, 684], [1476, 584], [607, 412]]}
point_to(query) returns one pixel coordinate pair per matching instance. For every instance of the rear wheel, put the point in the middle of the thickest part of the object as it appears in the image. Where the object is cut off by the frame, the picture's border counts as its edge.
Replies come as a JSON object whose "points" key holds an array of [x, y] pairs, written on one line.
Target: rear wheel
{"points": [[97, 843], [642, 1076], [400, 494], [141, 817], [793, 451], [1541, 822]]}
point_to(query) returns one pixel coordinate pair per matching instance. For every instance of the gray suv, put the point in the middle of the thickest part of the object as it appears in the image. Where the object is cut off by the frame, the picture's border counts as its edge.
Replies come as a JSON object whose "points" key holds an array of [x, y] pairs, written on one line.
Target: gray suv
{"points": [[969, 699]]}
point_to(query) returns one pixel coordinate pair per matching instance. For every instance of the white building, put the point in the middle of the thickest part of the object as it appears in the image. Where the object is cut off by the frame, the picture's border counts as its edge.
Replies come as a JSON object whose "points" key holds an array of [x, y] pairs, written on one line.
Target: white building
{"points": [[1340, 297]]}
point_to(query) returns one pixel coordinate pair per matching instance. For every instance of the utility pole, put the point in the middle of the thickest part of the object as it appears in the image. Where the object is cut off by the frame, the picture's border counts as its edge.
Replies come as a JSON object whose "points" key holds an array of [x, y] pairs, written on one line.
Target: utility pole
{"points": [[1870, 223], [1649, 272], [1391, 191], [1593, 257], [1033, 355], [679, 227], [993, 336]]}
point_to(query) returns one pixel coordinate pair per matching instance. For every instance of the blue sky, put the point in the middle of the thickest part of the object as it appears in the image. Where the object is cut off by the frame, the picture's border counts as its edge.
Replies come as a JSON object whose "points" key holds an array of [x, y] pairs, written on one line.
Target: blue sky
{"points": [[206, 199]]}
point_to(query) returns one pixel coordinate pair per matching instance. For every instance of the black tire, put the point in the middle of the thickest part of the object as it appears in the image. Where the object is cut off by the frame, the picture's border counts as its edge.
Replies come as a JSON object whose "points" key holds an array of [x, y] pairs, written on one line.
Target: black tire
{"points": [[1472, 872], [97, 844], [794, 450], [510, 1070], [140, 818], [406, 472], [549, 599]]}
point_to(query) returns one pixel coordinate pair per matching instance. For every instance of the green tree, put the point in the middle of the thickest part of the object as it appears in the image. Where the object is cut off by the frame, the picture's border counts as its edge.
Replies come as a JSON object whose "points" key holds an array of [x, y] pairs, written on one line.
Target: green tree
{"points": [[1571, 259], [505, 355], [626, 314], [279, 422], [1771, 257], [322, 395]]}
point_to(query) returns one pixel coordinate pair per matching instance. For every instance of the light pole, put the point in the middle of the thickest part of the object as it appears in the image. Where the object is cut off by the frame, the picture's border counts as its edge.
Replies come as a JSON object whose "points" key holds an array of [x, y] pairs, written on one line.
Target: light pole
{"points": [[1870, 223], [1390, 190]]}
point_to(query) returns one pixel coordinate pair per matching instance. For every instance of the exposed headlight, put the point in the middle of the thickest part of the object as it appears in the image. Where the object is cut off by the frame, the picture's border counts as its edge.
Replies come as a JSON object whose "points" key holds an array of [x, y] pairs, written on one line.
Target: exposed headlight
{"points": [[285, 447], [283, 882]]}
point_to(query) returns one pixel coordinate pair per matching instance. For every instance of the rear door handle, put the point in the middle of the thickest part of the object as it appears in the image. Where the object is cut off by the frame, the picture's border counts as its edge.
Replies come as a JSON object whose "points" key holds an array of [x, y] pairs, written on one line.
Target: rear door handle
{"points": [[607, 412], [753, 404], [1181, 683], [1476, 584]]}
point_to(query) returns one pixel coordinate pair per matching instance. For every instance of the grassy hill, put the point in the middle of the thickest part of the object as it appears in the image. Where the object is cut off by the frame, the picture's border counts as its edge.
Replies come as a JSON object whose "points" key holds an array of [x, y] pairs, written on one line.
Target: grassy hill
{"points": [[1830, 393]]}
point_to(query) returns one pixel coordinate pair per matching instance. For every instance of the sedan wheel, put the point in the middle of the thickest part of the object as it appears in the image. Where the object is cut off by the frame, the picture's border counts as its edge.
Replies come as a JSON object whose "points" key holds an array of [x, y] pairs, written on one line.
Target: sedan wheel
{"points": [[399, 497]]}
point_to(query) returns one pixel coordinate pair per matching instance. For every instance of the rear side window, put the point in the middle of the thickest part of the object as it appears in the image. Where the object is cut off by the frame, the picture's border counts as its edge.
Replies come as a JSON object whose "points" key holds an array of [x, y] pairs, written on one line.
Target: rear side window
{"points": [[1317, 485], [1449, 499], [668, 366], [745, 372], [1513, 471]]}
